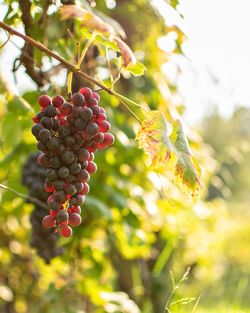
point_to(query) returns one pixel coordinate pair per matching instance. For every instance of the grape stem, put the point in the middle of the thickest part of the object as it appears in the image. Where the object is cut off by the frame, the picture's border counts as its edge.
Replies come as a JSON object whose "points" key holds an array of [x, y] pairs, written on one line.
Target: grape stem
{"points": [[75, 69], [22, 195]]}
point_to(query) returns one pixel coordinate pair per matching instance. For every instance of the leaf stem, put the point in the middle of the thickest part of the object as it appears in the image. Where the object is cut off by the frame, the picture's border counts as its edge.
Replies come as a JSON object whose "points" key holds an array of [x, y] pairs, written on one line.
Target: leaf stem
{"points": [[84, 51], [69, 83], [22, 195]]}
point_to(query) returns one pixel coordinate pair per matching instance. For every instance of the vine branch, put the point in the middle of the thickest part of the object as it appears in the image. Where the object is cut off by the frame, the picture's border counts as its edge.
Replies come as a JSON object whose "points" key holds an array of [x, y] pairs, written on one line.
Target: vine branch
{"points": [[22, 195], [73, 68]]}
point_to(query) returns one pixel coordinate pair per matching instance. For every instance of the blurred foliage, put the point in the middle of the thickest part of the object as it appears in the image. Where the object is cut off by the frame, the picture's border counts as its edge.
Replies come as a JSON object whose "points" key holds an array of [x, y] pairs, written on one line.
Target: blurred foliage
{"points": [[137, 225]]}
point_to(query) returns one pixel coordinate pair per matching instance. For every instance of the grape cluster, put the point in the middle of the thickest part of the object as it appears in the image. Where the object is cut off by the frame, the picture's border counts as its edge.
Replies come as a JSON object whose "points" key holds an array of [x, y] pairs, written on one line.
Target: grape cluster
{"points": [[68, 135], [44, 240]]}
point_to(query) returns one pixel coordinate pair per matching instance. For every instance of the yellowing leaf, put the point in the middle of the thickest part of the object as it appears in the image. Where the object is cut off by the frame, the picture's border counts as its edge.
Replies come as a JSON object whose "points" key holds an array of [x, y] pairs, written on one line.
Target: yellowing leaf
{"points": [[126, 53], [87, 18], [153, 138], [187, 169], [162, 147]]}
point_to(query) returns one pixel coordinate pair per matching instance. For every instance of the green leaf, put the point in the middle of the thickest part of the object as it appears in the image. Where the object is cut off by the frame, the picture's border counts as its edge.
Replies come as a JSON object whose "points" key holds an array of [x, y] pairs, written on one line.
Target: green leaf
{"points": [[136, 69], [170, 151]]}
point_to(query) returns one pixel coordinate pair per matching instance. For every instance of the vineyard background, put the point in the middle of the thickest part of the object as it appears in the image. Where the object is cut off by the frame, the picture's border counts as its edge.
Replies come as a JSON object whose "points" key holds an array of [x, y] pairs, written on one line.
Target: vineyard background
{"points": [[141, 232]]}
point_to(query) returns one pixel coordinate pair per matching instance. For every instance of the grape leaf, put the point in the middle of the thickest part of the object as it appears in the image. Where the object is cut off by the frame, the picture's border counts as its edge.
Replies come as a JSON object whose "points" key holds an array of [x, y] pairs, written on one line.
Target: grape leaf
{"points": [[87, 18], [136, 69], [126, 53], [187, 169], [169, 150], [106, 35]]}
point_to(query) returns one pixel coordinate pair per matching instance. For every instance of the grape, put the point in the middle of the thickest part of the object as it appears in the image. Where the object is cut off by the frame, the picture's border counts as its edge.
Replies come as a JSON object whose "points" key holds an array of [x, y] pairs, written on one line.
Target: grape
{"points": [[63, 172], [54, 205], [76, 209], [64, 131], [44, 101], [51, 174], [79, 186], [69, 141], [59, 185], [46, 122], [70, 189], [91, 168], [78, 99], [68, 134], [86, 92], [36, 129], [43, 160], [79, 199], [48, 221], [70, 179], [76, 111], [86, 114], [92, 129], [96, 96], [108, 141], [101, 117], [95, 109], [55, 162], [68, 157], [53, 143], [104, 126], [44, 134], [62, 216], [66, 231], [57, 101], [80, 124], [91, 102], [55, 124], [66, 108], [43, 239], [99, 138], [85, 189], [83, 176], [40, 115], [75, 168], [75, 219], [83, 155]]}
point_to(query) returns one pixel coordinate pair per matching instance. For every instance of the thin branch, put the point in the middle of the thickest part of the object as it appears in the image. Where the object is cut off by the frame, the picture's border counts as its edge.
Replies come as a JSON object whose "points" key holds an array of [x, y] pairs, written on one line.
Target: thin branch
{"points": [[73, 68], [22, 195], [7, 40]]}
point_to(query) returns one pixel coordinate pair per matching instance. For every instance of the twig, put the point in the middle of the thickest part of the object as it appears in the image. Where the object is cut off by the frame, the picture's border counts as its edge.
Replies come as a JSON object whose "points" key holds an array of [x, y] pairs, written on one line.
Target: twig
{"points": [[7, 40], [73, 69], [22, 195]]}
